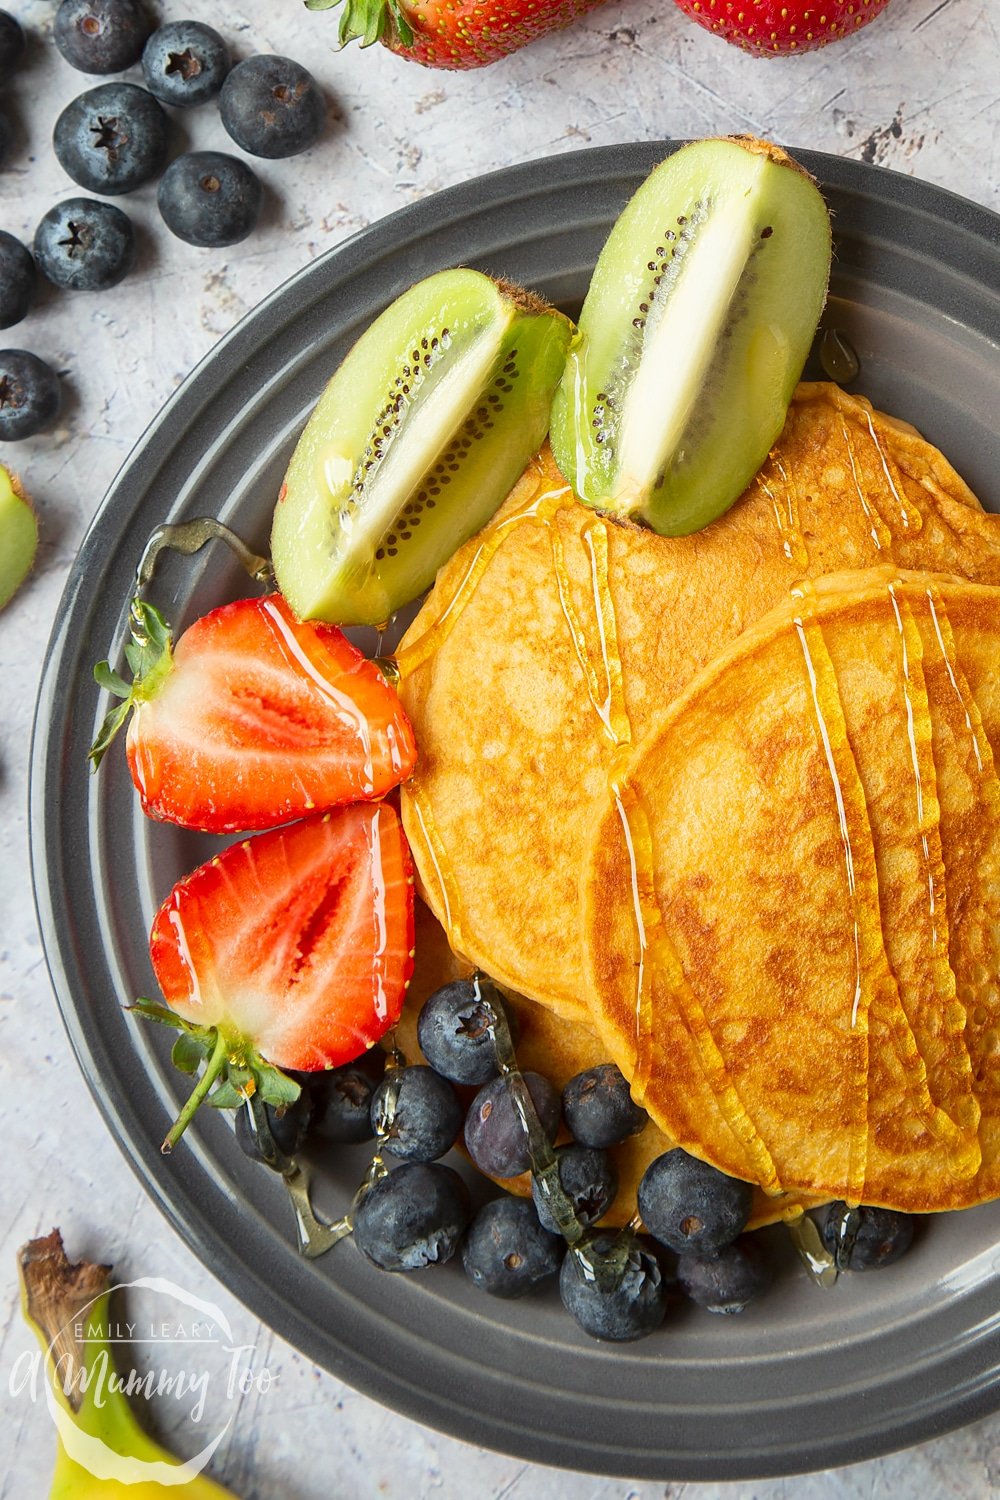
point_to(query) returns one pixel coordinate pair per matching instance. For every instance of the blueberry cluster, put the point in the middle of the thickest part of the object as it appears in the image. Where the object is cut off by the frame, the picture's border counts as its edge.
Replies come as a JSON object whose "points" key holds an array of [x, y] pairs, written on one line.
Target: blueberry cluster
{"points": [[114, 138], [615, 1285]]}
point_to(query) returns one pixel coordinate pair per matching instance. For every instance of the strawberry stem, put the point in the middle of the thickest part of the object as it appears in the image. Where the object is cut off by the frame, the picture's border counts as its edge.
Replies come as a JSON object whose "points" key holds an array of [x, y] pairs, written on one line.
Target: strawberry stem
{"points": [[368, 21], [213, 1068]]}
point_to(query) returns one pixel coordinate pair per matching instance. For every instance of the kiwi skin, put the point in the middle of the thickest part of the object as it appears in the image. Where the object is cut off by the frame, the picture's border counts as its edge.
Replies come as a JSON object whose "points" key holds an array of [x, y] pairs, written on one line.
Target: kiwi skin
{"points": [[416, 441], [699, 318], [18, 536]]}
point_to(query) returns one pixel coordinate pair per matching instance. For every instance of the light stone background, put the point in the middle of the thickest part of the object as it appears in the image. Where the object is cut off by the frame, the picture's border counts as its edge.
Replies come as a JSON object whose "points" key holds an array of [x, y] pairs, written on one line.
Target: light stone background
{"points": [[919, 91]]}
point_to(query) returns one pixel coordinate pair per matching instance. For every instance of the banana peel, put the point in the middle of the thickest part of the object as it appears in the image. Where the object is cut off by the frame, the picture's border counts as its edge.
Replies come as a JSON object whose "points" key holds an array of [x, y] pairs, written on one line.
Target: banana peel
{"points": [[102, 1453]]}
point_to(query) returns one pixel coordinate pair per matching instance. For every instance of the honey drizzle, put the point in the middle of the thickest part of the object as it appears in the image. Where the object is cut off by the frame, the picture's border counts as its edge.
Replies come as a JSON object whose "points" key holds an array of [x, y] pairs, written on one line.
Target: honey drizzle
{"points": [[595, 538], [829, 714], [601, 702], [449, 901], [541, 507], [982, 982], [876, 987], [793, 543], [919, 732], [880, 533], [911, 520], [657, 953]]}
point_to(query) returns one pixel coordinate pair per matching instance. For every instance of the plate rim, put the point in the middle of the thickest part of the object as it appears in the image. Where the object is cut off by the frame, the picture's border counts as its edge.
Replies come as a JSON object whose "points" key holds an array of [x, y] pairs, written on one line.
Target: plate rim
{"points": [[464, 200]]}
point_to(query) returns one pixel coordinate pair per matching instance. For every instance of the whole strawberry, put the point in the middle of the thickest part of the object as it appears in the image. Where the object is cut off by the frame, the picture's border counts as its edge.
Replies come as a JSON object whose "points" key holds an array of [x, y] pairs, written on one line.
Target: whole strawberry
{"points": [[452, 33], [776, 28]]}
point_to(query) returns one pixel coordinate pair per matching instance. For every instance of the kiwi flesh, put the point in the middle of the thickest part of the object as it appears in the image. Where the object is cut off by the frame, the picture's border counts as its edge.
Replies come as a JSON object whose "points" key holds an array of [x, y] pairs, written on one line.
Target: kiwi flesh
{"points": [[18, 536], [414, 443], [699, 317]]}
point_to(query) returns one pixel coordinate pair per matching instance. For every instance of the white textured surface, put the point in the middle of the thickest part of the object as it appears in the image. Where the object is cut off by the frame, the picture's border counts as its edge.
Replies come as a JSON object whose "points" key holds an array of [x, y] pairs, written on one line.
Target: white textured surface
{"points": [[917, 91]]}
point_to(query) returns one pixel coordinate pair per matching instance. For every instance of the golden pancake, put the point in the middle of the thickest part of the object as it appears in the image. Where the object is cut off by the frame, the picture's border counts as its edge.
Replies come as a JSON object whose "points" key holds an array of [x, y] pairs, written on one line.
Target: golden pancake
{"points": [[558, 1049], [553, 639], [792, 910]]}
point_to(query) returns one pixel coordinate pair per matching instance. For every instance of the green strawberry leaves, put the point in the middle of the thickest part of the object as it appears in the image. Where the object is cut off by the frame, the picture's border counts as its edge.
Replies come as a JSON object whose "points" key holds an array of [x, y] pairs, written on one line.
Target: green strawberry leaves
{"points": [[233, 1072], [366, 21], [150, 659]]}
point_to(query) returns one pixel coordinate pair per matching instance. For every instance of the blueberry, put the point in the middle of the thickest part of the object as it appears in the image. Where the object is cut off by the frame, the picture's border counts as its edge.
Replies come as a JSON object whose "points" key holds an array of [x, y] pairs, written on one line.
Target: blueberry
{"points": [[414, 1217], [724, 1281], [288, 1127], [599, 1109], [863, 1239], [111, 139], [506, 1251], [29, 395], [342, 1097], [271, 106], [588, 1179], [454, 1032], [185, 63], [100, 36], [494, 1134], [418, 1112], [632, 1306], [11, 44], [17, 280], [691, 1206], [85, 245], [209, 198]]}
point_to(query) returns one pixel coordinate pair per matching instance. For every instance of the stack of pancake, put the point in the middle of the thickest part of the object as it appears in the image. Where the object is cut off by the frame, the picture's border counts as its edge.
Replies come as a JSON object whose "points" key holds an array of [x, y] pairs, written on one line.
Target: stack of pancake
{"points": [[724, 808]]}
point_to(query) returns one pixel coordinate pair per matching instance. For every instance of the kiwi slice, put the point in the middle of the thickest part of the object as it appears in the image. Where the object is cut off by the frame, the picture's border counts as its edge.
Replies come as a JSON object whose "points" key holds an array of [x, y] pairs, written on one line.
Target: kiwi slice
{"points": [[18, 536], [699, 318], [414, 444]]}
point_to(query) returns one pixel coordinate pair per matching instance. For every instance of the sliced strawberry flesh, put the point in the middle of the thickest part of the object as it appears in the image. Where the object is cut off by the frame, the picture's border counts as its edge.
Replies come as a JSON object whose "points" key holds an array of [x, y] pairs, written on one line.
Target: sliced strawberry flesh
{"points": [[298, 942], [264, 719]]}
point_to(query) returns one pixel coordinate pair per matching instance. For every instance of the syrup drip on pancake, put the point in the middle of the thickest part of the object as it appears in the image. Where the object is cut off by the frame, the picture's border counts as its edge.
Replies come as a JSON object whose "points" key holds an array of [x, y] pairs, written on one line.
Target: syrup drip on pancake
{"points": [[934, 1010], [602, 670], [877, 1003], [910, 520], [975, 939], [793, 543], [840, 762], [541, 503], [880, 533], [918, 735]]}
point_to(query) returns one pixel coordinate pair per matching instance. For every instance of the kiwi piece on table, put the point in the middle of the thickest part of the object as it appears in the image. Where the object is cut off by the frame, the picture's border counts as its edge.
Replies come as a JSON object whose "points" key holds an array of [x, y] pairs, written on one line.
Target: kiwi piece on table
{"points": [[699, 318], [415, 442], [18, 536]]}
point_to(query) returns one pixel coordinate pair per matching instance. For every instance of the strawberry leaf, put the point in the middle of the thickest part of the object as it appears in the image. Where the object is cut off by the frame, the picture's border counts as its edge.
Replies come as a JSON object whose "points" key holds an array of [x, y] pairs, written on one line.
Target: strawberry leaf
{"points": [[150, 1010], [150, 659], [276, 1088], [110, 680], [234, 1075], [189, 1052], [367, 21], [226, 1096]]}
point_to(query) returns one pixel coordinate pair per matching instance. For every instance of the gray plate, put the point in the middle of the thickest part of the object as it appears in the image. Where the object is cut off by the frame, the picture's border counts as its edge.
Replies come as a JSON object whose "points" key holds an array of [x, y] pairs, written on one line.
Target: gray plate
{"points": [[804, 1379]]}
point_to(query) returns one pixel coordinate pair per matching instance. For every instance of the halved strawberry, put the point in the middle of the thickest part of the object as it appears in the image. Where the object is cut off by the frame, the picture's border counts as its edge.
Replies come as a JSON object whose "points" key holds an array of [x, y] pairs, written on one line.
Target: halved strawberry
{"points": [[289, 950], [253, 719]]}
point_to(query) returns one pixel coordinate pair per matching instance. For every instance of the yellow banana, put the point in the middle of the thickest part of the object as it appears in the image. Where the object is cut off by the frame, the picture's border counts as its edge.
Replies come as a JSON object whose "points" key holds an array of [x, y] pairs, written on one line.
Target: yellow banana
{"points": [[102, 1452]]}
